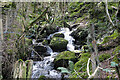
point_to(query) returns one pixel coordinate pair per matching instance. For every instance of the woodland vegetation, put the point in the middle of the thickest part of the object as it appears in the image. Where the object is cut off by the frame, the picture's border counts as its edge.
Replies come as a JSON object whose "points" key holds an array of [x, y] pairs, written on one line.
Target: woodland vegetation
{"points": [[25, 29]]}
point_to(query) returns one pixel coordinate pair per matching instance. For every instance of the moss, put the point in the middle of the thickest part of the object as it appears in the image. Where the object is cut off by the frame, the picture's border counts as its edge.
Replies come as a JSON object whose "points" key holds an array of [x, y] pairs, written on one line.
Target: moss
{"points": [[117, 50], [104, 56], [85, 55], [45, 42], [66, 55], [58, 44], [82, 74], [82, 62], [111, 37], [115, 59], [42, 77], [59, 35]]}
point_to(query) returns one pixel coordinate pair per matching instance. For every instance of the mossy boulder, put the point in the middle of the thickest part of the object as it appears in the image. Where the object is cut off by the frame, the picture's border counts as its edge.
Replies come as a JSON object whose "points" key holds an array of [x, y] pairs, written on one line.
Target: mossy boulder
{"points": [[58, 44], [104, 56], [65, 55], [62, 59], [80, 36], [59, 35], [82, 62]]}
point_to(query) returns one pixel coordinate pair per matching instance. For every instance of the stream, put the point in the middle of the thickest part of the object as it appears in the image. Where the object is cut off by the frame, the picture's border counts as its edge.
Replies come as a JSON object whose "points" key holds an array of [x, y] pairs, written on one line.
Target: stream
{"points": [[46, 67]]}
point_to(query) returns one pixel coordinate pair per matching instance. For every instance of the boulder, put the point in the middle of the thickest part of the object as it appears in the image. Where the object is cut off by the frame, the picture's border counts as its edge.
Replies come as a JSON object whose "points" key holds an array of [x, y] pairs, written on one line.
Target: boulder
{"points": [[58, 44], [62, 59], [50, 29], [40, 49], [59, 35], [80, 36]]}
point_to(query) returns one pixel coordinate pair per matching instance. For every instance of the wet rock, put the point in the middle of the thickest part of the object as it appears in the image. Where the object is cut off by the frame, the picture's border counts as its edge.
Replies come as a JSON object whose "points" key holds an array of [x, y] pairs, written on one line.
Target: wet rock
{"points": [[59, 35], [62, 59], [58, 44], [40, 49], [61, 63]]}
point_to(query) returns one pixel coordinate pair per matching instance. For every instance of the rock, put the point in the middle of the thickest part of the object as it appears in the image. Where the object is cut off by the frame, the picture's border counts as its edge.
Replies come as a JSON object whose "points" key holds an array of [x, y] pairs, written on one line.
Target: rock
{"points": [[40, 49], [51, 29], [62, 59], [59, 35], [58, 44], [80, 36]]}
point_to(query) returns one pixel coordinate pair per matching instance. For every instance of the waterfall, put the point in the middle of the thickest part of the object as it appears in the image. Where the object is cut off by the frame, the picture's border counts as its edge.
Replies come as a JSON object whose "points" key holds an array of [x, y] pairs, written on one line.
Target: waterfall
{"points": [[45, 67]]}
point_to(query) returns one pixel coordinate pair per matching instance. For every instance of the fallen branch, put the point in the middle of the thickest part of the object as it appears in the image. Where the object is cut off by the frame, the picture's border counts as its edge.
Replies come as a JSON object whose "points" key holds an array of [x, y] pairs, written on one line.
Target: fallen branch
{"points": [[37, 53], [88, 72], [93, 74]]}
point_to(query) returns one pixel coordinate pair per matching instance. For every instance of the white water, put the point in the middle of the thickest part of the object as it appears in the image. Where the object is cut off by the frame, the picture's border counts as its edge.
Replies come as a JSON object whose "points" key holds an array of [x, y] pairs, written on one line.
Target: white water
{"points": [[69, 38], [45, 67]]}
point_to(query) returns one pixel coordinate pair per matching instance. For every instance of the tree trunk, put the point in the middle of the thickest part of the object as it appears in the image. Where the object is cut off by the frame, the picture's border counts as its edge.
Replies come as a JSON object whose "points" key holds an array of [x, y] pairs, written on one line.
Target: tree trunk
{"points": [[94, 56]]}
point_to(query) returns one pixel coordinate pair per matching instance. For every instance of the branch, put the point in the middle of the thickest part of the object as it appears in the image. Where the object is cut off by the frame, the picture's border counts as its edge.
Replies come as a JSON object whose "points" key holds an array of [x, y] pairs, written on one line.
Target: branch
{"points": [[109, 14], [88, 71], [36, 53], [93, 74]]}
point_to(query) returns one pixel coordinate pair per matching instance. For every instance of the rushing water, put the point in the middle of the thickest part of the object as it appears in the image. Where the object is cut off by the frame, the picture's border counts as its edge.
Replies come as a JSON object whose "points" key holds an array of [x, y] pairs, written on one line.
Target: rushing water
{"points": [[45, 67]]}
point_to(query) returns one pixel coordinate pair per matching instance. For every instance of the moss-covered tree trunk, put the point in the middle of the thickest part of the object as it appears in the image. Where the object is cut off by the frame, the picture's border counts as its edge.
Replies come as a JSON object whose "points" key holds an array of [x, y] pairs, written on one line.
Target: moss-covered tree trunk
{"points": [[23, 69]]}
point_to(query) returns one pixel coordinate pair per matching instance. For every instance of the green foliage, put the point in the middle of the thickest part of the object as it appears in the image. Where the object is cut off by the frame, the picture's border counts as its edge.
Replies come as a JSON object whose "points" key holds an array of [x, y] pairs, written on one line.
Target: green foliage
{"points": [[104, 56], [107, 70], [113, 64], [66, 55], [45, 42], [28, 41], [71, 66], [63, 70]]}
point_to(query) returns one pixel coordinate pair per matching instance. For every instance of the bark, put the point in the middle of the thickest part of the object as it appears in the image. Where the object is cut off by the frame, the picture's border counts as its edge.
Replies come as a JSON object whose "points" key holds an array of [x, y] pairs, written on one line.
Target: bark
{"points": [[94, 56], [1, 24]]}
